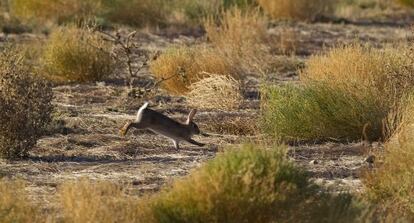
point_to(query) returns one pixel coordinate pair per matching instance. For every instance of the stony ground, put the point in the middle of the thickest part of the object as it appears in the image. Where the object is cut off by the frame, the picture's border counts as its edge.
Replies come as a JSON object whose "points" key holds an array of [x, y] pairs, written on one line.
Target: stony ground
{"points": [[85, 141]]}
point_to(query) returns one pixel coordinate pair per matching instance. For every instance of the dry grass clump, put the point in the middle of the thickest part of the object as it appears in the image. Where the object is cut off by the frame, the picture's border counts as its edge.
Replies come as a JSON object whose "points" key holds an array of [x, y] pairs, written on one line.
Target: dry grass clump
{"points": [[241, 126], [307, 10], [88, 201], [58, 11], [73, 54], [239, 36], [390, 186], [183, 66], [248, 184], [339, 96], [25, 105], [15, 205], [215, 92]]}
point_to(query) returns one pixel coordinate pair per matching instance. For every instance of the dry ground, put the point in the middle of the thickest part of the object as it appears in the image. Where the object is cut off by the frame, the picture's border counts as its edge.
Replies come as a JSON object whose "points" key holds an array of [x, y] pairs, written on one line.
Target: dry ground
{"points": [[86, 142]]}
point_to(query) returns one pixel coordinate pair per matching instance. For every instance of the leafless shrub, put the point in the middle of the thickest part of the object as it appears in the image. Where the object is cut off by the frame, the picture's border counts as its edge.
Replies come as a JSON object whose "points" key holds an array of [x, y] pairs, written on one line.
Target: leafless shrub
{"points": [[25, 106]]}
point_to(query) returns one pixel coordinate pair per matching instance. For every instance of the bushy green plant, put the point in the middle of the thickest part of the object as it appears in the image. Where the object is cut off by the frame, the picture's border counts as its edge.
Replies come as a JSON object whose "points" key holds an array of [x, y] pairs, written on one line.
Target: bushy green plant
{"points": [[320, 112], [25, 105], [248, 184], [76, 55]]}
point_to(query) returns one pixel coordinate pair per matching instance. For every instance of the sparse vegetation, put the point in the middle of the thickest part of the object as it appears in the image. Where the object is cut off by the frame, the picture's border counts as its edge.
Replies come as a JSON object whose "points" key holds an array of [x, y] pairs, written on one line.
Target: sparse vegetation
{"points": [[307, 10], [215, 92], [25, 105], [76, 55]]}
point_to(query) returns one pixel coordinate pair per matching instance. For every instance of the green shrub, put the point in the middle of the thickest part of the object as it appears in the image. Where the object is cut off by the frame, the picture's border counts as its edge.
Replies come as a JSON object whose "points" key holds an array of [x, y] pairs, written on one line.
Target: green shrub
{"points": [[73, 54], [25, 105], [320, 112], [248, 185]]}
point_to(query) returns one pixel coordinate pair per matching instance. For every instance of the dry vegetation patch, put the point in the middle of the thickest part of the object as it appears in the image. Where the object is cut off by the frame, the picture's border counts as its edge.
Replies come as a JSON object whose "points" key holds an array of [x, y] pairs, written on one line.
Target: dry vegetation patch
{"points": [[239, 36], [215, 92], [183, 66], [76, 55], [390, 185]]}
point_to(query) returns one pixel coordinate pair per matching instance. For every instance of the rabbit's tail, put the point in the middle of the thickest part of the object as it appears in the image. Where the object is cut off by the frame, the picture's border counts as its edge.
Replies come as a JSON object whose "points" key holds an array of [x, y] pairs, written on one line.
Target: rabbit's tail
{"points": [[141, 109]]}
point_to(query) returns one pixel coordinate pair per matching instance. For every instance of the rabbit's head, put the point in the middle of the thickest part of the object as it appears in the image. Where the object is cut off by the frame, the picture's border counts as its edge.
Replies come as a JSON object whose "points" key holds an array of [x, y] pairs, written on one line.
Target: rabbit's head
{"points": [[193, 127]]}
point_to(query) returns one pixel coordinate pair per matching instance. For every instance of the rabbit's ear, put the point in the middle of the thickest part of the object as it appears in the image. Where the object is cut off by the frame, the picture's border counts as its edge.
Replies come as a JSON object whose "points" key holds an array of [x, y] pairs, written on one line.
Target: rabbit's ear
{"points": [[191, 116]]}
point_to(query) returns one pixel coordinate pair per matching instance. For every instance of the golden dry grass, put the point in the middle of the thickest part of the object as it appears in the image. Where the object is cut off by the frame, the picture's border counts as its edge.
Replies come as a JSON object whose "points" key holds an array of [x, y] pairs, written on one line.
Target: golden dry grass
{"points": [[240, 36], [101, 201], [215, 92], [307, 10], [15, 205], [76, 55], [183, 66]]}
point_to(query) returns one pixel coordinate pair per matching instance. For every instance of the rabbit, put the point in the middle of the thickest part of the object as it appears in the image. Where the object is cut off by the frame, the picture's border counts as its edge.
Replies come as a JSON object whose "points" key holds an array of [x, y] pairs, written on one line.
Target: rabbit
{"points": [[161, 124]]}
